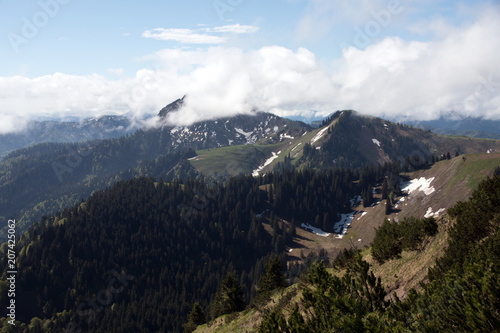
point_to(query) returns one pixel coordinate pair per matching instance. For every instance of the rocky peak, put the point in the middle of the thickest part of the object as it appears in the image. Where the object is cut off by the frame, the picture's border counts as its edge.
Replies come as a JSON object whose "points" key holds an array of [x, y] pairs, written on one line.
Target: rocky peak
{"points": [[174, 106]]}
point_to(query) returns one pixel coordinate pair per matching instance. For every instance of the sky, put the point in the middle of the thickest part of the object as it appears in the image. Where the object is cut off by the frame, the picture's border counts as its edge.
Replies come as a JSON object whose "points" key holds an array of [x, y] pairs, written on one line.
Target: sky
{"points": [[396, 59]]}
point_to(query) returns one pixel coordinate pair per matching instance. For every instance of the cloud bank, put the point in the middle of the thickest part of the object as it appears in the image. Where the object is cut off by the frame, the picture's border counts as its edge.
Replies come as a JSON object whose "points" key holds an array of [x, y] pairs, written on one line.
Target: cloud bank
{"points": [[392, 78]]}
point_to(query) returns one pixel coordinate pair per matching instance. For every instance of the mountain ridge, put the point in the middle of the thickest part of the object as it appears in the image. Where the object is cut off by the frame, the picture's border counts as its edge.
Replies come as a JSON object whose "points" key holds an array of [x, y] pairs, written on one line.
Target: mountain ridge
{"points": [[61, 174], [47, 177]]}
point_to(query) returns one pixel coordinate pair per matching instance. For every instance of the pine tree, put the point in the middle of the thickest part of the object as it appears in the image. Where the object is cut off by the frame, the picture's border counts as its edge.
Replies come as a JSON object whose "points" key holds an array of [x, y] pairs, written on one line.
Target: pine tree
{"points": [[270, 194], [385, 189], [388, 207], [196, 317], [229, 298], [273, 278]]}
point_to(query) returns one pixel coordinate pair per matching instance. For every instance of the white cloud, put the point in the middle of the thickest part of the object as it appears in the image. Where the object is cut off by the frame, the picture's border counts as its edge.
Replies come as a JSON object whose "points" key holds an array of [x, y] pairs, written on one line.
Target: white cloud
{"points": [[392, 78], [422, 80], [185, 36], [225, 81], [236, 28], [208, 36], [12, 123]]}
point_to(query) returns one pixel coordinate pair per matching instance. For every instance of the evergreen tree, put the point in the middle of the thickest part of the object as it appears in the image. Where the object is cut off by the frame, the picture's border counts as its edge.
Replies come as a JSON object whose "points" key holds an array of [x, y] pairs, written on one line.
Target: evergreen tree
{"points": [[388, 207], [273, 278], [229, 298], [385, 189], [196, 317]]}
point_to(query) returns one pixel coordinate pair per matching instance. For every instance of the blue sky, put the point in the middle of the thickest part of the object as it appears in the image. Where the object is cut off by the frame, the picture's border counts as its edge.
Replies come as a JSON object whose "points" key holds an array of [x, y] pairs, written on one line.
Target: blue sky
{"points": [[91, 36], [406, 59]]}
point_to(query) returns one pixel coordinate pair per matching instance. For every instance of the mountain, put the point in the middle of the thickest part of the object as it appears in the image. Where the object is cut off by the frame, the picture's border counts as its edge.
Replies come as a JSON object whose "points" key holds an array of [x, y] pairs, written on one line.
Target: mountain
{"points": [[153, 243], [136, 256], [105, 127], [46, 178], [133, 231], [468, 201], [172, 107], [461, 125], [347, 139]]}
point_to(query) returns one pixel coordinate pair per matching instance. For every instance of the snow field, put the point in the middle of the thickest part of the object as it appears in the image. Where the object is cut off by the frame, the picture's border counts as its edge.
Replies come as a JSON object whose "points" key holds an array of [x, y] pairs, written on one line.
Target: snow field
{"points": [[421, 184]]}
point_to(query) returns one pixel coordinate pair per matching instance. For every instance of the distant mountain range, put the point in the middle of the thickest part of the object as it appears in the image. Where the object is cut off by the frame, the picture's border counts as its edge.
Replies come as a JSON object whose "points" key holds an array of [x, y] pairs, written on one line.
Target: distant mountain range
{"points": [[112, 127], [105, 127], [465, 126]]}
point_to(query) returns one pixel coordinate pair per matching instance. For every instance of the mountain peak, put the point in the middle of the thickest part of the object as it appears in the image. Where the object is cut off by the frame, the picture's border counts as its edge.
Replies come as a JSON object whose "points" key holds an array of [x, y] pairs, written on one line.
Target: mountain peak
{"points": [[174, 106]]}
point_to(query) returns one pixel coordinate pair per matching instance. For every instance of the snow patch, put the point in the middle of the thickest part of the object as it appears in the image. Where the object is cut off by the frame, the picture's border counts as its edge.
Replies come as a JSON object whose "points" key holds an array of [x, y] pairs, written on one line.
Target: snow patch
{"points": [[319, 135], [363, 214], [314, 230], [250, 136], [375, 141], [340, 228], [286, 136], [421, 184], [193, 158], [399, 202], [439, 212], [296, 146], [429, 213], [255, 173], [356, 201]]}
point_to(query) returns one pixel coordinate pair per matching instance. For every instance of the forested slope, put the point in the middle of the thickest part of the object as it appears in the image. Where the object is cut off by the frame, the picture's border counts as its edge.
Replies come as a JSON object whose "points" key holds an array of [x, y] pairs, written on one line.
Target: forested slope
{"points": [[174, 247], [176, 239], [462, 295]]}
